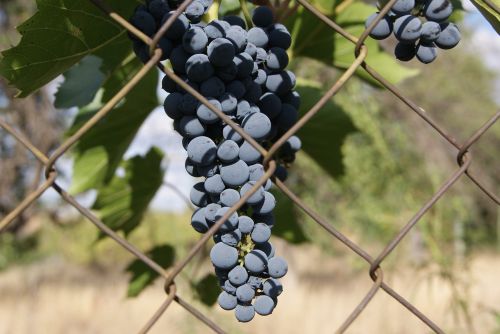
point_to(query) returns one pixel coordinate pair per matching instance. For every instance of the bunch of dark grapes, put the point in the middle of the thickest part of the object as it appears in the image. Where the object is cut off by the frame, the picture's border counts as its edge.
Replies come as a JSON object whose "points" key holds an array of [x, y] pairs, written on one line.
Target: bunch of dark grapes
{"points": [[242, 73], [420, 27]]}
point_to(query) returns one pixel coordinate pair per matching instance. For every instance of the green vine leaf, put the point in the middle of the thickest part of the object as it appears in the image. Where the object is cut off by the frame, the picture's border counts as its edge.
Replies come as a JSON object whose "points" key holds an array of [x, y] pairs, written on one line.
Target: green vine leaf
{"points": [[58, 36]]}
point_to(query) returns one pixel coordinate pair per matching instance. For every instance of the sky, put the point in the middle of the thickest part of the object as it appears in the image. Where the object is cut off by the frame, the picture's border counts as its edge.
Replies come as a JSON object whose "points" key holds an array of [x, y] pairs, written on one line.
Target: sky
{"points": [[157, 130]]}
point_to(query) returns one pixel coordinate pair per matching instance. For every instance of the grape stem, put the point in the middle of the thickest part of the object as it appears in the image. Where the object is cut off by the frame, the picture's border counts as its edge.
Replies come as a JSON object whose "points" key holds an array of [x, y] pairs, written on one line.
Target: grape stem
{"points": [[246, 13], [213, 12]]}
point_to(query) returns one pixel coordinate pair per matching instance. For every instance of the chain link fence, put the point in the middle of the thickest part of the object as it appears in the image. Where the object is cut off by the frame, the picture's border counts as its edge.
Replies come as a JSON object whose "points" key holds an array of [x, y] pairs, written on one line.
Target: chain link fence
{"points": [[463, 157]]}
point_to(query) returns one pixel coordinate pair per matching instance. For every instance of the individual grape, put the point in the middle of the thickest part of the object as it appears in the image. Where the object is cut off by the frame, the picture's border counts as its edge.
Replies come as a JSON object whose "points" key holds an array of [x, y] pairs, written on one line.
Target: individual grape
{"points": [[227, 301], [407, 28], [267, 248], [264, 305], [216, 29], [256, 171], [171, 105], [382, 30], [438, 10], [254, 91], [261, 55], [231, 223], [403, 7], [231, 238], [430, 31], [249, 154], [199, 68], [261, 77], [235, 174], [256, 261], [426, 52], [188, 104], [266, 206], [211, 211], [178, 27], [238, 36], [178, 59], [206, 115], [221, 52], [228, 151], [224, 256], [228, 287], [261, 233], [255, 282], [280, 83], [158, 8], [270, 104], [144, 21], [230, 134], [277, 267], [251, 49], [235, 20], [229, 197], [281, 173], [279, 36], [191, 127], [287, 117], [404, 52], [213, 87], [277, 59], [195, 40], [244, 313], [244, 64], [245, 293], [202, 150], [168, 85], [256, 197], [198, 221], [228, 103], [197, 195], [237, 88], [449, 36], [262, 16], [194, 12], [272, 287], [295, 143], [245, 224], [243, 109], [238, 276], [258, 37], [214, 185]]}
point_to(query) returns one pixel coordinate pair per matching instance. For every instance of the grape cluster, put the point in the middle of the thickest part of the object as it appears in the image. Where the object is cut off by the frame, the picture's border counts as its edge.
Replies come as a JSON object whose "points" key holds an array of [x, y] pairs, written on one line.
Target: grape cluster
{"points": [[417, 38], [242, 73]]}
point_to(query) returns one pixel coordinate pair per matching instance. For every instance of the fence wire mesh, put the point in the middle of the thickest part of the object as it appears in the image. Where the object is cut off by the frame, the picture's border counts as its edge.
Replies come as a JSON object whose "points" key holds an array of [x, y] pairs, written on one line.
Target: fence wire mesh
{"points": [[463, 157]]}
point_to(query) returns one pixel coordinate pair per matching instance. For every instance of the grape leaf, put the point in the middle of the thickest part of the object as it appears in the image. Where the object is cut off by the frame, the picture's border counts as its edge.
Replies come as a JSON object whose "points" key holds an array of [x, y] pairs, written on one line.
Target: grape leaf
{"points": [[58, 36], [142, 274], [207, 289], [322, 137], [81, 83], [314, 39], [122, 203], [99, 151], [491, 14]]}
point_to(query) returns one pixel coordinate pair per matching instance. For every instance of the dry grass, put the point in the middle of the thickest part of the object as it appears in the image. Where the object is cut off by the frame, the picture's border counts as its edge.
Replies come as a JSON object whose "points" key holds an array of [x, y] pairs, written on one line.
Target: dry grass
{"points": [[55, 296]]}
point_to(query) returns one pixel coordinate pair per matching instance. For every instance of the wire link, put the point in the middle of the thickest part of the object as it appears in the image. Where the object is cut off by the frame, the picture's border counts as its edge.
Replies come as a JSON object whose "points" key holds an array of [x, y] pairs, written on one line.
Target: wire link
{"points": [[464, 160]]}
